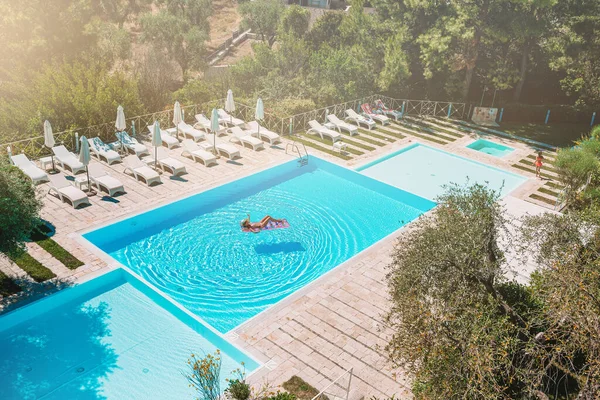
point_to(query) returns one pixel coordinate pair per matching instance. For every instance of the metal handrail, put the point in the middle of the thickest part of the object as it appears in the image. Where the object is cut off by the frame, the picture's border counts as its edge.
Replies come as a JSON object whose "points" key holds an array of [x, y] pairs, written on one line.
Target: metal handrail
{"points": [[349, 372]]}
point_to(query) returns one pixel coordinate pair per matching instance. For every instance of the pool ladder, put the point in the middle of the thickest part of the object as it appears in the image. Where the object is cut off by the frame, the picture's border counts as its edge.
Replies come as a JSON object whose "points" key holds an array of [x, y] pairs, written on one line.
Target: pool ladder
{"points": [[294, 148]]}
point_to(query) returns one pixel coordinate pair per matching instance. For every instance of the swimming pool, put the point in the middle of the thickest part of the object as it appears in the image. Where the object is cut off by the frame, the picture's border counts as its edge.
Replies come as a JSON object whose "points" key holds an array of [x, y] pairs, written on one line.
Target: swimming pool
{"points": [[109, 338], [194, 250], [491, 148], [424, 171]]}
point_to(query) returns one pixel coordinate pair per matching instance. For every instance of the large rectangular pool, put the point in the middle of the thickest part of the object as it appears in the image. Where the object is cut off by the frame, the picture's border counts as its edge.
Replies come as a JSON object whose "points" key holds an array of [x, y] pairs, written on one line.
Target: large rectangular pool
{"points": [[109, 338], [424, 171], [194, 250]]}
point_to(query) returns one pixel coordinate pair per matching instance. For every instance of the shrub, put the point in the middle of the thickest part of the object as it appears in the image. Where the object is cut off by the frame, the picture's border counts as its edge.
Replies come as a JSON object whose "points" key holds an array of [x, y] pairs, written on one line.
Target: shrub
{"points": [[283, 396], [238, 389], [205, 375], [537, 113], [574, 167], [18, 195]]}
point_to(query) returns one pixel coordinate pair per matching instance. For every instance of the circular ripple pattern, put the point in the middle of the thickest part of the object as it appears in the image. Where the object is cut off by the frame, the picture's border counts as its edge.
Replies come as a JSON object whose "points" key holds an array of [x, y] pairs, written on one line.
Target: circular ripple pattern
{"points": [[227, 276]]}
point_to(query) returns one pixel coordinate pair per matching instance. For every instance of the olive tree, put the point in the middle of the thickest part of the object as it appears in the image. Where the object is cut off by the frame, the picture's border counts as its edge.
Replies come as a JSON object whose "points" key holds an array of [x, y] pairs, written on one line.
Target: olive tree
{"points": [[465, 331], [19, 205]]}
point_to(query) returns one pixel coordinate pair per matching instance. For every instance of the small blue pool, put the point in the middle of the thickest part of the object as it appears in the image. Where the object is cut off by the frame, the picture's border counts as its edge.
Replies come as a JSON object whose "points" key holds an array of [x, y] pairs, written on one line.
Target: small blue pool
{"points": [[491, 148], [194, 250], [109, 338], [424, 171]]}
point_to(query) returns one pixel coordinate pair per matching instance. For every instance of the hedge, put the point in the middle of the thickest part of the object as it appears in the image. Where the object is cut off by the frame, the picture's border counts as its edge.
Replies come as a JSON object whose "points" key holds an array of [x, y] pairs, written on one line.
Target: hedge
{"points": [[537, 114]]}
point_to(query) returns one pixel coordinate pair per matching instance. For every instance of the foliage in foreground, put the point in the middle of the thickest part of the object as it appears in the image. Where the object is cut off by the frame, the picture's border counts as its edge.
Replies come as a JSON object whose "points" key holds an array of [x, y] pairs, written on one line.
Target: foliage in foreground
{"points": [[20, 207], [465, 331]]}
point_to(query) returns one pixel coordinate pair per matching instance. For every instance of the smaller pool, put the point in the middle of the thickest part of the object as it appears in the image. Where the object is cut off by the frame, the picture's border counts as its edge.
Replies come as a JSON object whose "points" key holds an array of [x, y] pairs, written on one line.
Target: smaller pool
{"points": [[491, 148], [110, 338]]}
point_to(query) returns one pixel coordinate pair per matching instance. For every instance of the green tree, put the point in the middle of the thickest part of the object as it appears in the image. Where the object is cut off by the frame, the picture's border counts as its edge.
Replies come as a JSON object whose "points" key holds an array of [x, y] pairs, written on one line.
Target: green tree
{"points": [[262, 16], [20, 205], [576, 167], [325, 31], [465, 331], [294, 21], [120, 11], [178, 37]]}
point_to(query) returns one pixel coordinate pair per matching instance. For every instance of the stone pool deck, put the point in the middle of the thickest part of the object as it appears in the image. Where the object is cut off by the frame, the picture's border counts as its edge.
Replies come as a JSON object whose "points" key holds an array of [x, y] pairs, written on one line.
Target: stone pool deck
{"points": [[331, 325]]}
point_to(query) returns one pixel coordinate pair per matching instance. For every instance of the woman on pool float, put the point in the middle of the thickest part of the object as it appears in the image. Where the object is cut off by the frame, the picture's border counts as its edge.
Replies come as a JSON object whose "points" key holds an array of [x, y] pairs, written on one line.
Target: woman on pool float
{"points": [[258, 226]]}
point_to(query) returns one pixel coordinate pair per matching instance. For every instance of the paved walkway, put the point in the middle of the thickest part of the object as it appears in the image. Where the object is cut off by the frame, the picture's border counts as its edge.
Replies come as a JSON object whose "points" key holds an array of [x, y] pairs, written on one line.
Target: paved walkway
{"points": [[333, 324]]}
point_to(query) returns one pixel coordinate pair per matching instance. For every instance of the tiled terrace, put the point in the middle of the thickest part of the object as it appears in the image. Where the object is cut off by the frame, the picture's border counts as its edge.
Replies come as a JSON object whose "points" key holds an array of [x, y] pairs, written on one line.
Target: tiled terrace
{"points": [[332, 324]]}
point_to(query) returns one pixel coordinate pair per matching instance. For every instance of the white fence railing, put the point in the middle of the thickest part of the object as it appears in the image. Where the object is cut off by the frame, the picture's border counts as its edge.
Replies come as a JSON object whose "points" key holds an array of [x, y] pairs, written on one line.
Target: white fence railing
{"points": [[338, 389]]}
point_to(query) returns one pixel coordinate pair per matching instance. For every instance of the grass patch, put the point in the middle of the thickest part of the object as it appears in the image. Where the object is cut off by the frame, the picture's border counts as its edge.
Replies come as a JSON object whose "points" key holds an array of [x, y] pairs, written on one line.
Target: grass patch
{"points": [[427, 131], [431, 139], [33, 267], [297, 386], [348, 149], [542, 199], [527, 162], [439, 128], [554, 185], [320, 148], [376, 136], [391, 133], [7, 285], [560, 135], [548, 191], [425, 134], [357, 144], [518, 166], [56, 250]]}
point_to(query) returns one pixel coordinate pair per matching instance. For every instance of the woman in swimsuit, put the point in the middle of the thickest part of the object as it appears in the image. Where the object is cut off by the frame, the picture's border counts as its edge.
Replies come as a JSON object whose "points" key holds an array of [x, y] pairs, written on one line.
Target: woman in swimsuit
{"points": [[259, 225], [538, 164]]}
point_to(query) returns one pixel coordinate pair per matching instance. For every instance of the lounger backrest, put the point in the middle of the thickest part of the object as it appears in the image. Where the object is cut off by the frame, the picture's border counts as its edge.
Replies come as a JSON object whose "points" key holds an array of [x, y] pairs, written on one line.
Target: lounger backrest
{"points": [[58, 181], [237, 131], [333, 118], [189, 145], [21, 160], [125, 138], [96, 170], [61, 151], [253, 125], [133, 161], [366, 108], [98, 144], [210, 139], [315, 124], [222, 113], [202, 119], [161, 153], [352, 113]]}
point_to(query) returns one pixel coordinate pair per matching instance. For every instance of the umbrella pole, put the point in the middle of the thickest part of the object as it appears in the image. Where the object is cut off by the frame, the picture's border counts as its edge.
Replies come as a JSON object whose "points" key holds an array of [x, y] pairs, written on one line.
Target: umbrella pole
{"points": [[215, 143], [155, 158], [53, 167], [90, 191]]}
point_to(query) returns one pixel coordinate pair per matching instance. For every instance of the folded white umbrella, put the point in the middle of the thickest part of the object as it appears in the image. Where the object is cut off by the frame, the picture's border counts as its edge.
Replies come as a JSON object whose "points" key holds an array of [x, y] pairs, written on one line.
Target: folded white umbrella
{"points": [[214, 127], [85, 157], [49, 139], [229, 104], [177, 117], [156, 141], [120, 122], [259, 113]]}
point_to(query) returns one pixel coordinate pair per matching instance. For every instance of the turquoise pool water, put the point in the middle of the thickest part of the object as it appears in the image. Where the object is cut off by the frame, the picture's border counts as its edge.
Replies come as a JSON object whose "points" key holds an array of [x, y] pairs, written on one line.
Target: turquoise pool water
{"points": [[424, 171], [194, 250], [491, 148], [109, 338]]}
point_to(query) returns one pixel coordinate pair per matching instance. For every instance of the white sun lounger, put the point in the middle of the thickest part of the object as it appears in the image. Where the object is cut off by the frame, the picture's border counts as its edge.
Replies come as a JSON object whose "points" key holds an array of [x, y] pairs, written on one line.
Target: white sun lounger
{"points": [[103, 151], [263, 133], [204, 123], [228, 119], [187, 131], [65, 158], [228, 150], [30, 169], [66, 191], [140, 170], [132, 144], [360, 119], [246, 138], [103, 181], [165, 161], [321, 130], [382, 119], [167, 139], [197, 153], [339, 125]]}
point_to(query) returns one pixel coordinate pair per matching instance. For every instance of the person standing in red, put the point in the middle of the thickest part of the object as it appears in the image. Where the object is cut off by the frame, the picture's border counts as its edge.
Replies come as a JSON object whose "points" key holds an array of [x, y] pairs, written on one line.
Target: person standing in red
{"points": [[538, 164]]}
